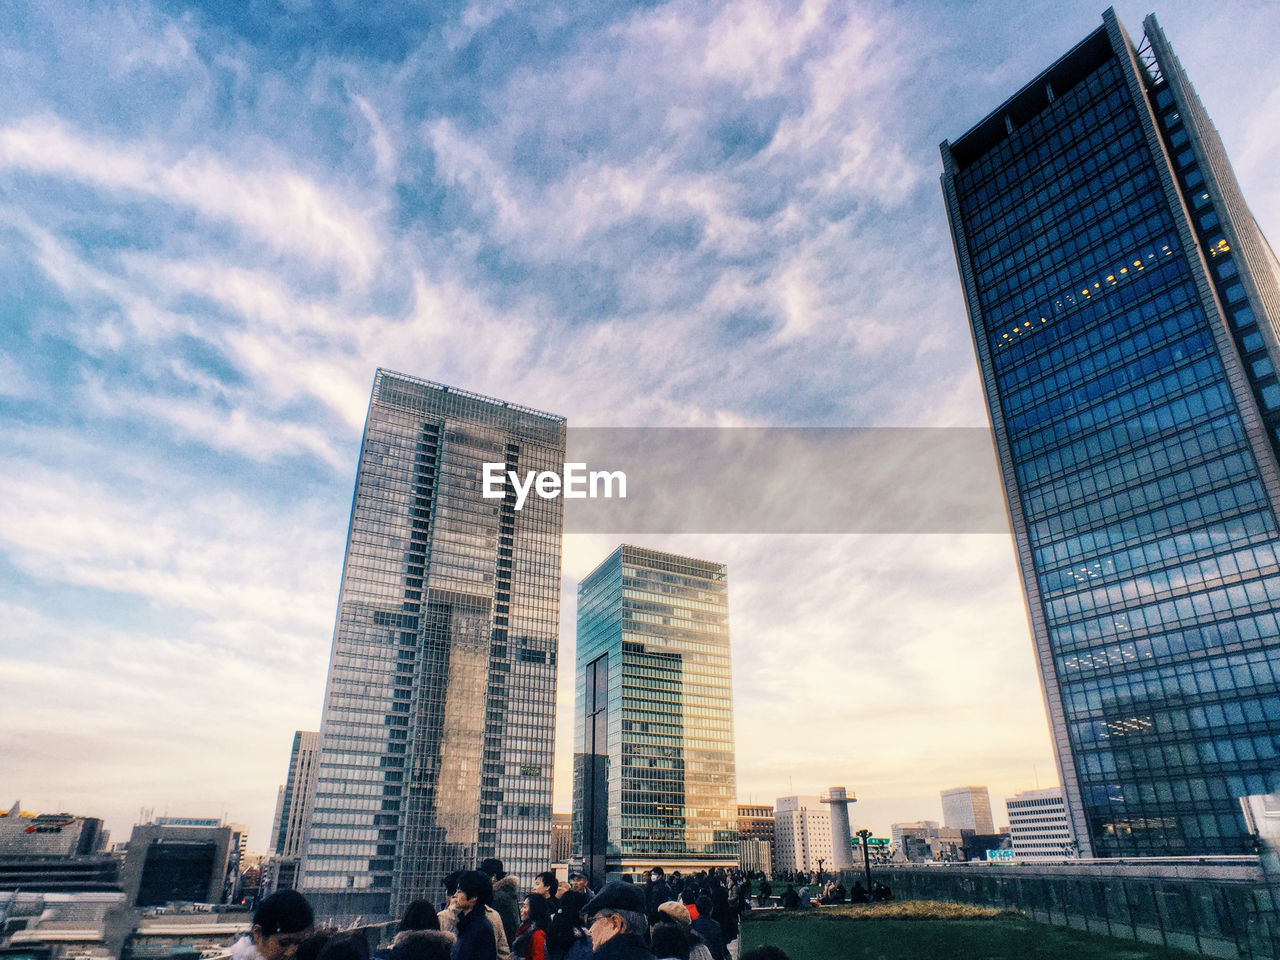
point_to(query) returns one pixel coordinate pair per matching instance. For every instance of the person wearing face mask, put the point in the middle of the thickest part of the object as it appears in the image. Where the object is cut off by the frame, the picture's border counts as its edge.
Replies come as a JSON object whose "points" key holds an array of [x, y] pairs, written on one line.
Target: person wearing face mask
{"points": [[656, 892]]}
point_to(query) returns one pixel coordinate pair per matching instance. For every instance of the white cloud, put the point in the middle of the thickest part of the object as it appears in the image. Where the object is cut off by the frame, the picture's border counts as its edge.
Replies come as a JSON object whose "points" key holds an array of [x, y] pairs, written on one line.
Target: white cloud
{"points": [[275, 204], [171, 543]]}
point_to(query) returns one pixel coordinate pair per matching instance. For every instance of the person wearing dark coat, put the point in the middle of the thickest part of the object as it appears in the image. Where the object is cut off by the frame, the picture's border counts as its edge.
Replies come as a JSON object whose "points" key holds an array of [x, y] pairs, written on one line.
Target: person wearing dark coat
{"points": [[790, 899], [475, 932], [618, 925], [766, 891], [709, 929], [506, 899], [656, 892]]}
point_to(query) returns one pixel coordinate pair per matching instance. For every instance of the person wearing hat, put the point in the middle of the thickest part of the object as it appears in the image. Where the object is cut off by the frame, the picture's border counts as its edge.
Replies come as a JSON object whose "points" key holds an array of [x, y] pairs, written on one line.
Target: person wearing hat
{"points": [[578, 884], [618, 926], [673, 913], [281, 922], [505, 900]]}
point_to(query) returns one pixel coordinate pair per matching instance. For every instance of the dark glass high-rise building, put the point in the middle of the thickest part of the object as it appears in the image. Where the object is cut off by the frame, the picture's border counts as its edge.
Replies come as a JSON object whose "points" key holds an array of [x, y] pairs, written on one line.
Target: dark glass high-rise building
{"points": [[1124, 307], [437, 738], [653, 776]]}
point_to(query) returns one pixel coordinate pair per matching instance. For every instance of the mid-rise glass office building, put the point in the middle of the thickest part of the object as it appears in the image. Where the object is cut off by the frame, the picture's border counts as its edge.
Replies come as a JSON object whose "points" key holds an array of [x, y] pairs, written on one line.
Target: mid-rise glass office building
{"points": [[653, 780], [437, 737], [1124, 307]]}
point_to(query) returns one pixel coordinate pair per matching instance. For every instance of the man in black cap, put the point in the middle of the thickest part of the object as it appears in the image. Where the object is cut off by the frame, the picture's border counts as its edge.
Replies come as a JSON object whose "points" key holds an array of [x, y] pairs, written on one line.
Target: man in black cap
{"points": [[618, 928], [578, 883]]}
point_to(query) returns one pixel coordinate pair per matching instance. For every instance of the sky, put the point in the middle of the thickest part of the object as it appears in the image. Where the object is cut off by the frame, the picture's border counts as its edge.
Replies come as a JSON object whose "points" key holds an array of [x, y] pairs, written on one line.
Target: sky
{"points": [[218, 219]]}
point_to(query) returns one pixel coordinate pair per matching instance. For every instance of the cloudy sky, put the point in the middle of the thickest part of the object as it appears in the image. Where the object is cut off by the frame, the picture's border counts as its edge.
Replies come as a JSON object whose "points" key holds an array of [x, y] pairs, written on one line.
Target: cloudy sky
{"points": [[216, 221]]}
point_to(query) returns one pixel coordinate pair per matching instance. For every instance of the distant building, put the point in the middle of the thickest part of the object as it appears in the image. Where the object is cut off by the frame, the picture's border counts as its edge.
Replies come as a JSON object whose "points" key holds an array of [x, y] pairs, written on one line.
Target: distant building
{"points": [[54, 853], [838, 800], [968, 808], [653, 777], [915, 840], [1038, 825], [178, 860], [289, 826], [49, 834], [755, 821], [802, 835], [951, 844], [561, 837], [755, 837]]}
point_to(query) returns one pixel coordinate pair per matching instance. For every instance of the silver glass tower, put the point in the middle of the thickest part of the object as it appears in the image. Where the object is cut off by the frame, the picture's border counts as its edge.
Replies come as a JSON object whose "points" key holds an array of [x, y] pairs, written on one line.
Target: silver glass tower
{"points": [[1125, 310], [653, 777], [436, 741]]}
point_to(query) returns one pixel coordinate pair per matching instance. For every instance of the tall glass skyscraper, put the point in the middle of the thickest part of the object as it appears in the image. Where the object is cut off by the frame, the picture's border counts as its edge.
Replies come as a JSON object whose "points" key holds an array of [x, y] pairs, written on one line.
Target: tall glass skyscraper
{"points": [[437, 738], [653, 776], [1124, 307]]}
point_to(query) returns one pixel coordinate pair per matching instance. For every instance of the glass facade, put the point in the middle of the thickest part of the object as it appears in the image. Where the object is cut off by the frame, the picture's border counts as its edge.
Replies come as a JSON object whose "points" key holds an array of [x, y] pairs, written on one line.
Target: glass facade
{"points": [[286, 833], [437, 737], [1123, 307], [653, 742]]}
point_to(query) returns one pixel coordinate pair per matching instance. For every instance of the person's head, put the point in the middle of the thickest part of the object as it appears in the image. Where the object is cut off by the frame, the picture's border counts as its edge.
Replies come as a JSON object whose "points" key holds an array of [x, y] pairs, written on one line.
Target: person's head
{"points": [[345, 946], [281, 922], [688, 897], [493, 867], [545, 884], [451, 884], [578, 882], [309, 949], [419, 915], [423, 945], [673, 911], [618, 908], [536, 910], [668, 940], [474, 890], [571, 902], [704, 906]]}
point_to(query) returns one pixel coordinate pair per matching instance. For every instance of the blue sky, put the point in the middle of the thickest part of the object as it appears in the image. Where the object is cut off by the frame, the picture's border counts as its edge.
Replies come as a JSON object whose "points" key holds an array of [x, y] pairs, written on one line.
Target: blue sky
{"points": [[216, 220]]}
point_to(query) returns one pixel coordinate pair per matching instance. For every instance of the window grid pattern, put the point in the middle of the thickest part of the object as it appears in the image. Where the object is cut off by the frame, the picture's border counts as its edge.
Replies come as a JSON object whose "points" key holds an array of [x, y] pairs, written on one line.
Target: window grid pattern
{"points": [[662, 622], [437, 739], [1153, 541]]}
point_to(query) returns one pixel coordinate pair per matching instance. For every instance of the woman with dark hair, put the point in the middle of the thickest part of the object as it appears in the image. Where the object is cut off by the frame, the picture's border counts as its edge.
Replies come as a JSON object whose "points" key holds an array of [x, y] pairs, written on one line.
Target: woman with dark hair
{"points": [[423, 945], [669, 942], [567, 937], [419, 915], [531, 935]]}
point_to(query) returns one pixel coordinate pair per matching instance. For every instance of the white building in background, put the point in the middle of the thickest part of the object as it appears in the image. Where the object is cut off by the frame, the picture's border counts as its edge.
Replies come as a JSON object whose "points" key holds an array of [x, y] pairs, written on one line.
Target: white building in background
{"points": [[968, 808], [1038, 825], [801, 835]]}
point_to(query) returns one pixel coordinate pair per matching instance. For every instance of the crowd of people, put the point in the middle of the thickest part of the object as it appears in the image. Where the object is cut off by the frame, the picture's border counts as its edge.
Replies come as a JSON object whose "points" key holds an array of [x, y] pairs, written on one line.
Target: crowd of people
{"points": [[484, 916]]}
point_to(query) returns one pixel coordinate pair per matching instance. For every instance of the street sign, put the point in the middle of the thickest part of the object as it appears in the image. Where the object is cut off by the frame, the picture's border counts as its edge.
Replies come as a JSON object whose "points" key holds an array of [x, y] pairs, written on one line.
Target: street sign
{"points": [[872, 841]]}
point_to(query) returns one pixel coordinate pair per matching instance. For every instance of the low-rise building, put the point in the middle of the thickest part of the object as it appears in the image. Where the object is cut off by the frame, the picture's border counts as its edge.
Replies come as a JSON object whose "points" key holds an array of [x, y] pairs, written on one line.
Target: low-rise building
{"points": [[1038, 825]]}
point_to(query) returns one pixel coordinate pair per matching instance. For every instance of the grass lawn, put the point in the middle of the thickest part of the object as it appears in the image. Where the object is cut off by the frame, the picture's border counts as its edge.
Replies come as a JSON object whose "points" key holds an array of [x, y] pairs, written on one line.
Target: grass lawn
{"points": [[919, 930]]}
